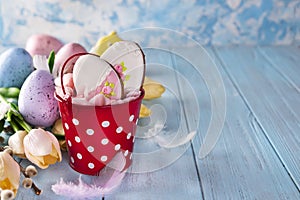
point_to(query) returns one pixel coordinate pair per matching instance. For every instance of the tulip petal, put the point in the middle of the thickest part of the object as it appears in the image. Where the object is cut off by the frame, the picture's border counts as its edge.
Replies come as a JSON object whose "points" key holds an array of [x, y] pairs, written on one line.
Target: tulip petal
{"points": [[16, 142], [41, 161], [58, 128], [9, 173], [37, 160], [52, 158], [2, 169], [42, 148], [38, 143], [55, 145]]}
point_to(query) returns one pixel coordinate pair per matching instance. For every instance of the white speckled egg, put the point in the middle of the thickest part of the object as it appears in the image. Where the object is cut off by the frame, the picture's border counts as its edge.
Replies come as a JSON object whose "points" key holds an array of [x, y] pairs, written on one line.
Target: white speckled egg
{"points": [[36, 100], [15, 65]]}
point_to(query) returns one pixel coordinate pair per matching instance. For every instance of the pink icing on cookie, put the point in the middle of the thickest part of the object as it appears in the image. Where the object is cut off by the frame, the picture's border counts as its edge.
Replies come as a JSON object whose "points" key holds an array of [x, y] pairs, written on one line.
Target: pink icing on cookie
{"points": [[107, 90], [119, 68]]}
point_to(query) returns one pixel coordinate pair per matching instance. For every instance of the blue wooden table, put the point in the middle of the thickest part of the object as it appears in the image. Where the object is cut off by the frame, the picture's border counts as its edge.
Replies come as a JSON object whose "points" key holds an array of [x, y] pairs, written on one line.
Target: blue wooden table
{"points": [[257, 155]]}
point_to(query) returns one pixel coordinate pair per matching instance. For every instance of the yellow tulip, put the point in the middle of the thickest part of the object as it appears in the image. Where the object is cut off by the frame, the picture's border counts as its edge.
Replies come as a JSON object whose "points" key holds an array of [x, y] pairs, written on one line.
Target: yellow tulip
{"points": [[9, 173], [153, 89], [144, 111], [57, 128], [42, 148]]}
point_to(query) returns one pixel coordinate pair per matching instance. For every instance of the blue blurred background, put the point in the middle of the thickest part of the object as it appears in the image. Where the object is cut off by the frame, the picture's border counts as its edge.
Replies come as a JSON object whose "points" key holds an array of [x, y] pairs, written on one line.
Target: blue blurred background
{"points": [[210, 22]]}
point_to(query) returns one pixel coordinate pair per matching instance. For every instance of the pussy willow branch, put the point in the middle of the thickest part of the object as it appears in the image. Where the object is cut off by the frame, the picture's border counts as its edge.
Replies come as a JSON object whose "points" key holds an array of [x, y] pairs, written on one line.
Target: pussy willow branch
{"points": [[37, 191]]}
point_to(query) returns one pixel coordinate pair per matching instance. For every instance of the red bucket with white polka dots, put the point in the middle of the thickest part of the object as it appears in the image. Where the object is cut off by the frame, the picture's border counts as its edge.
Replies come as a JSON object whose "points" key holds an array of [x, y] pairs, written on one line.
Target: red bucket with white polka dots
{"points": [[95, 134]]}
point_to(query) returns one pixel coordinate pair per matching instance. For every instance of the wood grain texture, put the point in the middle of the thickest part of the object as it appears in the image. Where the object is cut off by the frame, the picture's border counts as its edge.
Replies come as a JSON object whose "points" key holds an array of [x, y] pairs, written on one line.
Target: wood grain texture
{"points": [[257, 156], [243, 165], [285, 60], [46, 178], [179, 180], [270, 97]]}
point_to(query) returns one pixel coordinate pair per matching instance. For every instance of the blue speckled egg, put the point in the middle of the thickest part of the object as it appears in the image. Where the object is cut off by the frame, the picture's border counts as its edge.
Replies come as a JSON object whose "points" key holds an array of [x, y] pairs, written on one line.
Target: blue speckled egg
{"points": [[15, 65], [36, 102]]}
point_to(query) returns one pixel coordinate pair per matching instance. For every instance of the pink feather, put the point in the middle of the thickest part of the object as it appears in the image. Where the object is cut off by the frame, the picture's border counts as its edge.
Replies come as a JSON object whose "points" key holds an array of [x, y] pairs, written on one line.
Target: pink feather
{"points": [[82, 190]]}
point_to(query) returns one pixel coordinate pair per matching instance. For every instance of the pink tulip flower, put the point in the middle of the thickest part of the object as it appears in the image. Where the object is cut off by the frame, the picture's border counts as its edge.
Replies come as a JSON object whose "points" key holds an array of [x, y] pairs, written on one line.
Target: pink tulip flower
{"points": [[42, 148]]}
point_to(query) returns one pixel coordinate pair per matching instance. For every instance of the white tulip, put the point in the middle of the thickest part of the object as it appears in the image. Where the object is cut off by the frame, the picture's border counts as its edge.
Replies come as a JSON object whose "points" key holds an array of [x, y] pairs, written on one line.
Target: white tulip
{"points": [[16, 143], [9, 173], [42, 148]]}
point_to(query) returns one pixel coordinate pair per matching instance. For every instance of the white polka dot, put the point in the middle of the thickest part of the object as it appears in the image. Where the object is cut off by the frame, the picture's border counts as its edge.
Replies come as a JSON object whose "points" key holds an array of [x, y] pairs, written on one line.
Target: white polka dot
{"points": [[89, 131], [133, 139], [79, 156], [117, 147], [126, 153], [91, 165], [104, 141], [72, 159], [77, 139], [130, 156], [75, 121], [137, 120], [105, 124], [128, 136], [90, 149], [66, 126], [119, 129], [103, 158], [131, 118], [69, 143]]}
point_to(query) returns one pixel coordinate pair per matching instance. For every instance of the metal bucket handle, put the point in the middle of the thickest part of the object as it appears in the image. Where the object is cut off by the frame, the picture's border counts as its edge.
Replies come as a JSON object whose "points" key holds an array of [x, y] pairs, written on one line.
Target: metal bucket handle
{"points": [[64, 66]]}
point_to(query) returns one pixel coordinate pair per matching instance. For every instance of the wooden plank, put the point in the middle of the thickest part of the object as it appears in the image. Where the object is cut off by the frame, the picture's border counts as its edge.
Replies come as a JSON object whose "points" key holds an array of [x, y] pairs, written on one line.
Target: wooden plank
{"points": [[46, 178], [271, 99], [243, 164], [178, 180], [285, 60]]}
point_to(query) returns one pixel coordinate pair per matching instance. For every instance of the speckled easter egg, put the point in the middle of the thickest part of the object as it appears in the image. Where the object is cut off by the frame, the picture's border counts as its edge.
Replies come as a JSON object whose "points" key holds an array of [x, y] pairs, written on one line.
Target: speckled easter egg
{"points": [[63, 54], [42, 44], [15, 65], [36, 100]]}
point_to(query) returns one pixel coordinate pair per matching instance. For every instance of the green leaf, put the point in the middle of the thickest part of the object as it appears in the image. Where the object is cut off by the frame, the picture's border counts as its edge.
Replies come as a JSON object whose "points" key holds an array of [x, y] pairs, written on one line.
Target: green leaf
{"points": [[3, 99], [10, 92], [15, 111], [51, 59], [14, 125], [2, 125], [3, 91], [23, 124], [13, 92], [9, 114]]}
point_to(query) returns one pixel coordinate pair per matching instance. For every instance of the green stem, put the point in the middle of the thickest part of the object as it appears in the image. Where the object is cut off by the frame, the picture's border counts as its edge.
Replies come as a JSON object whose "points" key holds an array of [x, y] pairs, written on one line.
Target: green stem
{"points": [[14, 125], [2, 99], [23, 124], [16, 118]]}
